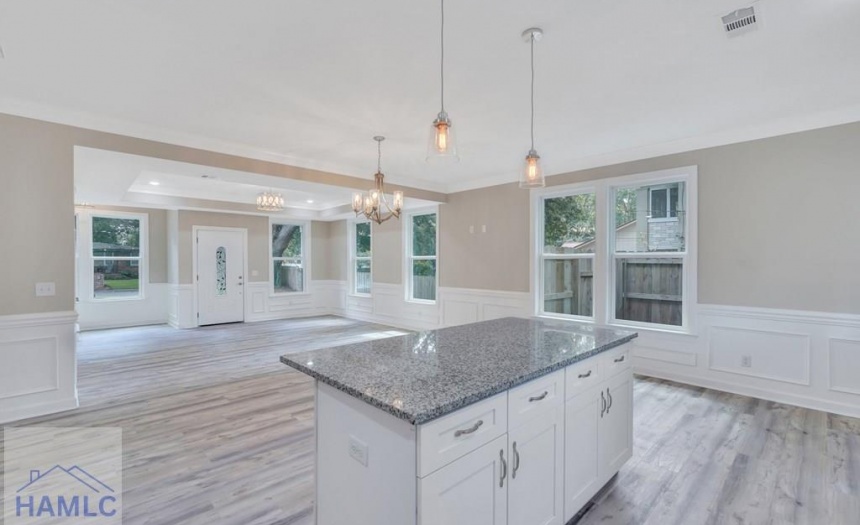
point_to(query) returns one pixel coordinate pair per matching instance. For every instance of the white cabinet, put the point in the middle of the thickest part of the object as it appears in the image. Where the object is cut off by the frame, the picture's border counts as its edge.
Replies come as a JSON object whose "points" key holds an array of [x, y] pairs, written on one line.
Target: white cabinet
{"points": [[581, 464], [616, 426], [536, 481], [470, 491]]}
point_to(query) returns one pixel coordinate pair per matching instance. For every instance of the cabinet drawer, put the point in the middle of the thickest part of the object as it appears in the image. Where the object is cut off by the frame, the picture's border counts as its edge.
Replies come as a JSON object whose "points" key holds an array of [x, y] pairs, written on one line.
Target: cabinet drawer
{"points": [[443, 440], [582, 376], [532, 398], [616, 361]]}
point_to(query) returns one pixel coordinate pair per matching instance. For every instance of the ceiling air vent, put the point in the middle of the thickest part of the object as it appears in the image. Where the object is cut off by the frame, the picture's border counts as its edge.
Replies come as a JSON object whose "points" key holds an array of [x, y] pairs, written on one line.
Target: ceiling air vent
{"points": [[740, 21]]}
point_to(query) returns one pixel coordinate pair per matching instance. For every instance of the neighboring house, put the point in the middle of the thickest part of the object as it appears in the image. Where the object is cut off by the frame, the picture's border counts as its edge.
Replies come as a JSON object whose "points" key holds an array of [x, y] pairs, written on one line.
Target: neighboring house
{"points": [[114, 268]]}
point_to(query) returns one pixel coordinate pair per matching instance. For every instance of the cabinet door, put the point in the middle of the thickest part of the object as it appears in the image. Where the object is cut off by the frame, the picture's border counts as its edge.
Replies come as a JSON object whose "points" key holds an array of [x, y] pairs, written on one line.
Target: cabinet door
{"points": [[581, 463], [472, 490], [616, 425], [536, 481]]}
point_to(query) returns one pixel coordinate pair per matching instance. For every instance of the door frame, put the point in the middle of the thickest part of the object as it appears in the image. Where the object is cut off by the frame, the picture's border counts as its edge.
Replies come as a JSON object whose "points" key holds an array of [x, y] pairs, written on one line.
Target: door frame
{"points": [[194, 274]]}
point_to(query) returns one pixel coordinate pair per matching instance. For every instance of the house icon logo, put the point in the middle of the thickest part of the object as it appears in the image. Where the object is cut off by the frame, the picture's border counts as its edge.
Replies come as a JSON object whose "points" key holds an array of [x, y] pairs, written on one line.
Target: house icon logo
{"points": [[61, 492]]}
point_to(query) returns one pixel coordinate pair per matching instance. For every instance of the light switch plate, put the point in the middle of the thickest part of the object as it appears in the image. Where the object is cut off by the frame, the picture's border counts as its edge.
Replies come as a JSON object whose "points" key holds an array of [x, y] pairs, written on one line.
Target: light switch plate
{"points": [[45, 290], [358, 450]]}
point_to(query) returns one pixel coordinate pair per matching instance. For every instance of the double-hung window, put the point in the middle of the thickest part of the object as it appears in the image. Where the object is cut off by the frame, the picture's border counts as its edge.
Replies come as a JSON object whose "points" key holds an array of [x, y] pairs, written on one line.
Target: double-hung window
{"points": [[117, 256], [619, 251], [289, 257], [421, 240], [566, 258], [360, 249]]}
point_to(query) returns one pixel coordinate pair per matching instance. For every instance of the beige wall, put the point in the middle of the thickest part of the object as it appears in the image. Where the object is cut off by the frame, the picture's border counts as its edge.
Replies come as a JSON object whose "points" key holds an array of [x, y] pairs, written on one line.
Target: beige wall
{"points": [[157, 258], [37, 166], [387, 251], [495, 260], [328, 245], [777, 223], [338, 253]]}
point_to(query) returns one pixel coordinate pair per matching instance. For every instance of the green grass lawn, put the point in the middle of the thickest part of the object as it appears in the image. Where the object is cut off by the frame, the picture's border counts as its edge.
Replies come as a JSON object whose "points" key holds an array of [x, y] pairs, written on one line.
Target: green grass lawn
{"points": [[122, 284]]}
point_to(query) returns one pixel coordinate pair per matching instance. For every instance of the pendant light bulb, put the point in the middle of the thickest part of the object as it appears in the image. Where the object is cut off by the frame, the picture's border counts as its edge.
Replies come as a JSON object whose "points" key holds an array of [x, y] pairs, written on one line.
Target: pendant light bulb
{"points": [[442, 145], [532, 174]]}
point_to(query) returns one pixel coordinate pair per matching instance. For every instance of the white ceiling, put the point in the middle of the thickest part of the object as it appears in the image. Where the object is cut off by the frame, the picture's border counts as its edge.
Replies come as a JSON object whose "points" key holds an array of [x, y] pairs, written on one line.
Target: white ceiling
{"points": [[310, 82], [119, 179]]}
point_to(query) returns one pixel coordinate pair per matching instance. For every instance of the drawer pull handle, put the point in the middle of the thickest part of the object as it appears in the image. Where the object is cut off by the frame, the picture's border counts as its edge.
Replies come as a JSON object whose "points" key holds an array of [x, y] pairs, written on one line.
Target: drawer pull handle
{"points": [[475, 427], [587, 374], [504, 470], [516, 461], [539, 398], [620, 359], [609, 395], [602, 403]]}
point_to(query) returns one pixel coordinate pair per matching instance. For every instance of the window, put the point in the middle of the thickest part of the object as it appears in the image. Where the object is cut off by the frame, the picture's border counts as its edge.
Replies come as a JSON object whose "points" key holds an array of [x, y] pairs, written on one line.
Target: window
{"points": [[619, 251], [421, 256], [360, 248], [567, 255], [117, 252], [288, 257]]}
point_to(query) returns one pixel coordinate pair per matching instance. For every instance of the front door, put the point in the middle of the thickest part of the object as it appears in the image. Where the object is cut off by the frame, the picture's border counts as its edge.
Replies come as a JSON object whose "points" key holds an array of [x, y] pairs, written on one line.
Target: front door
{"points": [[220, 276]]}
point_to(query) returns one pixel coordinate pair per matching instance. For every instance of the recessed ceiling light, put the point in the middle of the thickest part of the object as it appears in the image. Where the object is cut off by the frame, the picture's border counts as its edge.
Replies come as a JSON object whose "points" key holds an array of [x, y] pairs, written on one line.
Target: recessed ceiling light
{"points": [[310, 201], [154, 183]]}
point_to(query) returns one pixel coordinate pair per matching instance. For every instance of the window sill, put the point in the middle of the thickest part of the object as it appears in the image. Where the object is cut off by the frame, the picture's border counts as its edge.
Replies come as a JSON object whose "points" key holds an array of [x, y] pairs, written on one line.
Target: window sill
{"points": [[361, 295], [421, 302], [115, 300], [663, 219], [287, 294], [654, 329]]}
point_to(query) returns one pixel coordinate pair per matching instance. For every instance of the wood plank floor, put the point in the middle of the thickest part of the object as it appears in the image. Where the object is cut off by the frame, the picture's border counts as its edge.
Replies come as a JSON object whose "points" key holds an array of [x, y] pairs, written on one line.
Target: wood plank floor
{"points": [[217, 431]]}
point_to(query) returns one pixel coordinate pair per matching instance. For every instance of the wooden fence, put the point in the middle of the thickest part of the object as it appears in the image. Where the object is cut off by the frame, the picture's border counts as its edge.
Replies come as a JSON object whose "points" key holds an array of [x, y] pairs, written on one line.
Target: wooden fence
{"points": [[649, 290], [569, 286]]}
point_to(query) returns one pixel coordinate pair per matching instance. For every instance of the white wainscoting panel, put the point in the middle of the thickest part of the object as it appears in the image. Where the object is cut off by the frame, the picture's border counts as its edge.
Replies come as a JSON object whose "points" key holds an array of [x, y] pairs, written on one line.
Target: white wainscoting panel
{"points": [[845, 366], [772, 355], [322, 298], [180, 306], [152, 309], [463, 305], [38, 369], [809, 359]]}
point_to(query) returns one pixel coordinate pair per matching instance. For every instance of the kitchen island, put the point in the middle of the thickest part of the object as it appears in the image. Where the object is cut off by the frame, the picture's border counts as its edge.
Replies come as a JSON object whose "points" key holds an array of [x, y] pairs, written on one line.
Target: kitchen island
{"points": [[511, 421]]}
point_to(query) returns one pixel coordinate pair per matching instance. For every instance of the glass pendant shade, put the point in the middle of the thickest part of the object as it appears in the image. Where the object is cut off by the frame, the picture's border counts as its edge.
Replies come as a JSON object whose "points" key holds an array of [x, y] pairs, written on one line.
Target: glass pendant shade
{"points": [[442, 145], [532, 174]]}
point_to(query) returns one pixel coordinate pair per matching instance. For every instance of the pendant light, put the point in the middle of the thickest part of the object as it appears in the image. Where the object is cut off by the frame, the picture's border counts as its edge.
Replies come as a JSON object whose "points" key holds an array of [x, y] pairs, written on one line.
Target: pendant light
{"points": [[442, 145], [532, 175], [373, 204]]}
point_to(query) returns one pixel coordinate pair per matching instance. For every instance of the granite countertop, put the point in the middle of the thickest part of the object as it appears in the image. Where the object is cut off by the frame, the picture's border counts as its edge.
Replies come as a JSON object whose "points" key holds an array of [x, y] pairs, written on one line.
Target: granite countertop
{"points": [[424, 375]]}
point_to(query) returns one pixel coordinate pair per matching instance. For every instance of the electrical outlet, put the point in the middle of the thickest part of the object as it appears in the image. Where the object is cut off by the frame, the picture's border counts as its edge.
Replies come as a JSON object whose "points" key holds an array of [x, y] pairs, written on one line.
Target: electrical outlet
{"points": [[45, 290], [358, 450], [746, 361]]}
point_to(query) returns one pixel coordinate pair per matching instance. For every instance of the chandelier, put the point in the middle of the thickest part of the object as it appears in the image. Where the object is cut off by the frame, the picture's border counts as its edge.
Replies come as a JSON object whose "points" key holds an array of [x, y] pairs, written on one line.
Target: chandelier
{"points": [[371, 204], [269, 201]]}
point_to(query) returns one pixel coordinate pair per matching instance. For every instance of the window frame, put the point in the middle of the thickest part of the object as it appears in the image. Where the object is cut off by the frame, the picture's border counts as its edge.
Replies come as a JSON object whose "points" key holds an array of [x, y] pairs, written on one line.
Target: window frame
{"points": [[605, 255], [305, 259], [668, 189], [88, 260], [409, 258], [542, 257], [354, 258]]}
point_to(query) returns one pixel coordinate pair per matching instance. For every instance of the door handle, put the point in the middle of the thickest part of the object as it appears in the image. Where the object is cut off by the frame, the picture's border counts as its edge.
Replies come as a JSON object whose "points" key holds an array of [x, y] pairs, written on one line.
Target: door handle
{"points": [[602, 403], [538, 398], [504, 472], [239, 283], [609, 395], [516, 461]]}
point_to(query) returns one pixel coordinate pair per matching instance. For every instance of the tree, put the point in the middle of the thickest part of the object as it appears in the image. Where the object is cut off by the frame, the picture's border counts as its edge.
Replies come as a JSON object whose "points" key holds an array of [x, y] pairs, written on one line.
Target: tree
{"points": [[121, 232], [424, 243], [286, 240], [573, 218]]}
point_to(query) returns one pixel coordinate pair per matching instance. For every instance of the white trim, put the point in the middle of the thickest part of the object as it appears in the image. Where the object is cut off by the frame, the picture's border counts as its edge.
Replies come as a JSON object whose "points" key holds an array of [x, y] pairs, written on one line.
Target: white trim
{"points": [[352, 239], [195, 280], [774, 314], [305, 258], [409, 257], [604, 255], [84, 258], [8, 322]]}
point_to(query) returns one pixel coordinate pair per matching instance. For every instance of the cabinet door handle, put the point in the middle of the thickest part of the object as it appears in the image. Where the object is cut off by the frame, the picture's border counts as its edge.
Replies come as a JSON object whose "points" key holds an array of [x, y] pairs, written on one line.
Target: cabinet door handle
{"points": [[516, 461], [587, 374], [602, 403], [469, 430], [609, 395], [620, 359], [504, 472], [538, 398]]}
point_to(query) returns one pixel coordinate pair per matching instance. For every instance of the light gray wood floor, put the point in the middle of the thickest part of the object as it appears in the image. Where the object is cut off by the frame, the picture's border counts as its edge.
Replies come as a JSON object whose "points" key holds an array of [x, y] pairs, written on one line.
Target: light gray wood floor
{"points": [[217, 431]]}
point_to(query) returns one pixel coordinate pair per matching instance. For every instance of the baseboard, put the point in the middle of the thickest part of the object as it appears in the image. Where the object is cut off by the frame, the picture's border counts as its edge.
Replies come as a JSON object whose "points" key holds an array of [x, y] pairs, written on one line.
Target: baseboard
{"points": [[777, 396], [134, 324], [29, 411]]}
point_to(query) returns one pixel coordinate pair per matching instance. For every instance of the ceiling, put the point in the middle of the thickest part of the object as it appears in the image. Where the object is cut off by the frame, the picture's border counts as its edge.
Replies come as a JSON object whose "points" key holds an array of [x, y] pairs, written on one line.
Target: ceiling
{"points": [[309, 83], [119, 179]]}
